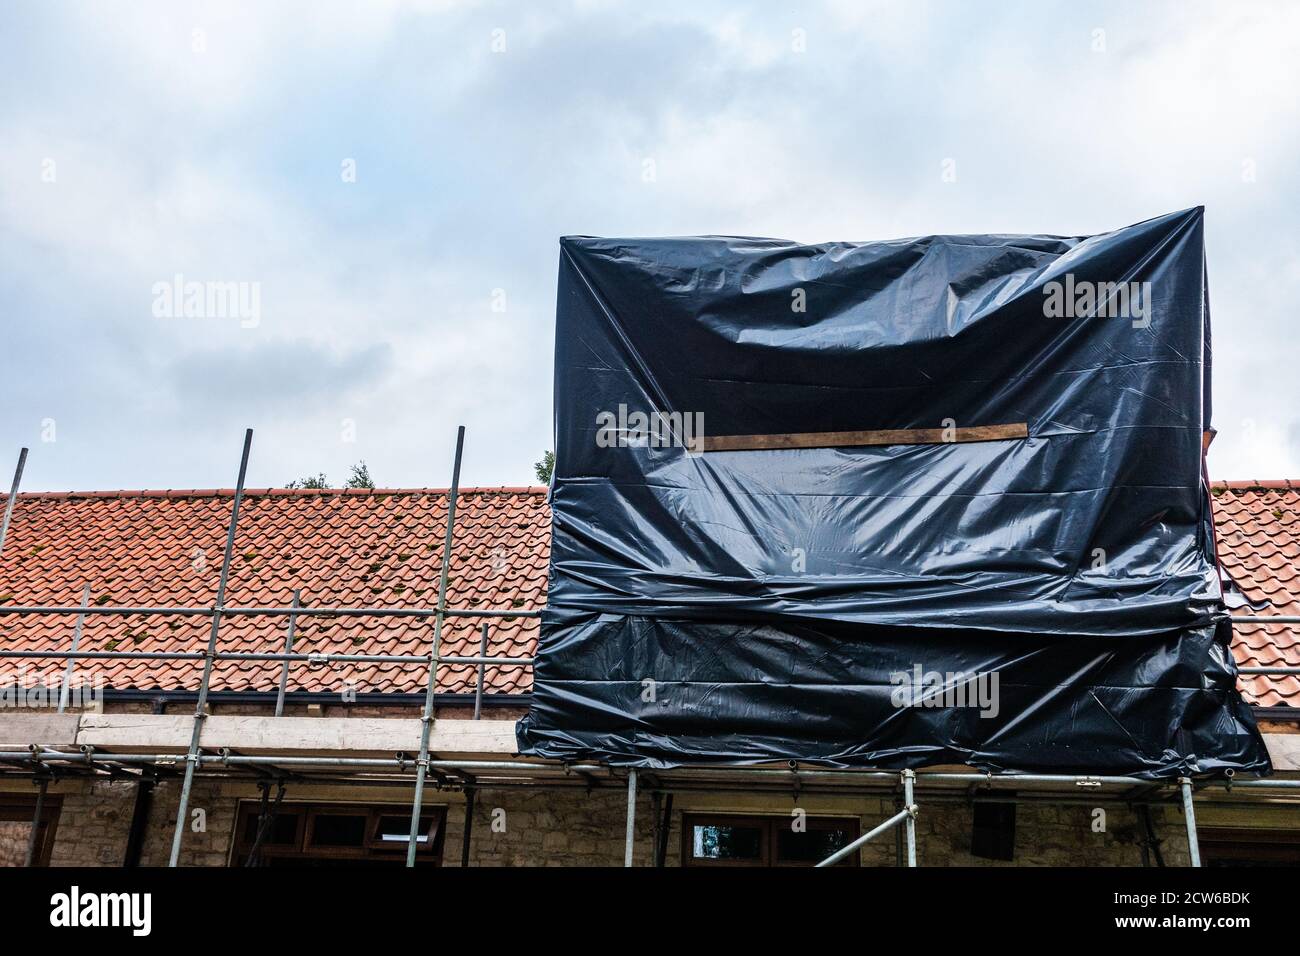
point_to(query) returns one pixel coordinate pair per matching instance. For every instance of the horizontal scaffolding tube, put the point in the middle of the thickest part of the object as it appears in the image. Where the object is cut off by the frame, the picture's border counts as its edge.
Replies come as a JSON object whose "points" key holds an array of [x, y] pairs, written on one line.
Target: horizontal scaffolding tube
{"points": [[236, 760], [499, 661], [268, 656], [272, 611], [922, 776]]}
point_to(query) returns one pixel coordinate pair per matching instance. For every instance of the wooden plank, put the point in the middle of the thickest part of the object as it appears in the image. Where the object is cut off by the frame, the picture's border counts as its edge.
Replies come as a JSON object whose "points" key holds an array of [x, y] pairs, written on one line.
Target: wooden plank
{"points": [[895, 436], [1285, 751], [20, 731], [370, 736]]}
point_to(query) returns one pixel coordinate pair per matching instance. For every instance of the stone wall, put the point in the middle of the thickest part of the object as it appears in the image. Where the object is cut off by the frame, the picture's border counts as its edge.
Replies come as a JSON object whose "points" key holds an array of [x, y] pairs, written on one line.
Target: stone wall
{"points": [[517, 827], [13, 842], [96, 820]]}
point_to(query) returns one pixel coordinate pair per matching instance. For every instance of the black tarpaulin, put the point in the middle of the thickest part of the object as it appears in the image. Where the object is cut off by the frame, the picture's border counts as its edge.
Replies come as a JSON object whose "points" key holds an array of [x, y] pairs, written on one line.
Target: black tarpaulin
{"points": [[1048, 601]]}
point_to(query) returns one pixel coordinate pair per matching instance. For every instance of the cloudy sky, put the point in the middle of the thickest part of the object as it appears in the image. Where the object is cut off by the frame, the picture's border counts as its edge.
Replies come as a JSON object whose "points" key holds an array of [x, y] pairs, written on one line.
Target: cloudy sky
{"points": [[393, 177]]}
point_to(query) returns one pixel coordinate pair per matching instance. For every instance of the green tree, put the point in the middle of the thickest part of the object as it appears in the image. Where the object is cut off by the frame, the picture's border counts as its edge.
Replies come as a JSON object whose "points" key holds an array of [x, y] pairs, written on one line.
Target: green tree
{"points": [[545, 468], [320, 481], [360, 477]]}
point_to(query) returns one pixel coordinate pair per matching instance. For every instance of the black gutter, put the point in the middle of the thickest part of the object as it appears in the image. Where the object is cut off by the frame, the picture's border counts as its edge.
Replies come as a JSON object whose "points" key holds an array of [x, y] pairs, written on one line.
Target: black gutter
{"points": [[1266, 713]]}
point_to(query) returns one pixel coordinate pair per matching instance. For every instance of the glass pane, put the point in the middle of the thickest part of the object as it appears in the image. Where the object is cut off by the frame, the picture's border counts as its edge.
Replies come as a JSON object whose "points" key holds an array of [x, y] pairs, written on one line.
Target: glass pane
{"points": [[397, 829], [282, 833], [727, 841], [338, 829], [811, 846]]}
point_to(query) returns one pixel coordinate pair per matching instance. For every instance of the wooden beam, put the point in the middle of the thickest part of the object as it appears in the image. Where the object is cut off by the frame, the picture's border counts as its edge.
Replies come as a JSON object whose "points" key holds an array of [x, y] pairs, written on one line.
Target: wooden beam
{"points": [[895, 436], [369, 736]]}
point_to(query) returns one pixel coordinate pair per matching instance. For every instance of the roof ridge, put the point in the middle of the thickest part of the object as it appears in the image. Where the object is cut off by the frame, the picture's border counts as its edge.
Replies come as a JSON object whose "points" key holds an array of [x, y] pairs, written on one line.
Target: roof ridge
{"points": [[281, 492]]}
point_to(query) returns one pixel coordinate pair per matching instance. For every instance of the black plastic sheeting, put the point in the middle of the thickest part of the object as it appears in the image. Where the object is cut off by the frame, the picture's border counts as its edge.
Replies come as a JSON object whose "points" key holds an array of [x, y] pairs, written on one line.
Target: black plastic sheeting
{"points": [[1048, 603]]}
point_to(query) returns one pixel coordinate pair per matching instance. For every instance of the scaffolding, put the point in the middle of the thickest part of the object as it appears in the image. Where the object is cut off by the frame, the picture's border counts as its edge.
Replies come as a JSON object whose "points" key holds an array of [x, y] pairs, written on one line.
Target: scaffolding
{"points": [[44, 764]]}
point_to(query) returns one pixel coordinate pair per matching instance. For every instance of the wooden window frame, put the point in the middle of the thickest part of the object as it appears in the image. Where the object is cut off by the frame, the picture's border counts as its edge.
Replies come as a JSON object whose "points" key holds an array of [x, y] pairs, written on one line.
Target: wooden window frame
{"points": [[21, 808], [370, 849], [768, 826], [1267, 847]]}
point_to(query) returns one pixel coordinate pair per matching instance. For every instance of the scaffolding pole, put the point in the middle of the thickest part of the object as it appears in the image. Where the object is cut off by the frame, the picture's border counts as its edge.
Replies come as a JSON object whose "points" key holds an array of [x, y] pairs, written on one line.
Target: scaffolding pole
{"points": [[34, 836], [76, 643], [909, 782], [908, 813], [556, 771], [426, 719], [482, 667], [467, 835], [631, 817], [288, 649], [13, 496], [192, 757], [1189, 817]]}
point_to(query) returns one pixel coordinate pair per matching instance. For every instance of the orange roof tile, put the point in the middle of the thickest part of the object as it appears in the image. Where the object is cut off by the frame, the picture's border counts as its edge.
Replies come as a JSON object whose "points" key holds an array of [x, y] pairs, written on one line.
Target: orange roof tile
{"points": [[1258, 529], [384, 547], [342, 548]]}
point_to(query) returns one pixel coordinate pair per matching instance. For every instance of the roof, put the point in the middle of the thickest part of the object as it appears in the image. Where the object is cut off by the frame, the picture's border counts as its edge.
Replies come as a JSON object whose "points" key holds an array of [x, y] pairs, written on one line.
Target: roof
{"points": [[1258, 531], [384, 548], [342, 548]]}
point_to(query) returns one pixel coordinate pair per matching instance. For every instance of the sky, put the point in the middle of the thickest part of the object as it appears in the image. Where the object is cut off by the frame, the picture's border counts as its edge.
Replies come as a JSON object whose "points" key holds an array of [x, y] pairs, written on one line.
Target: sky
{"points": [[385, 183]]}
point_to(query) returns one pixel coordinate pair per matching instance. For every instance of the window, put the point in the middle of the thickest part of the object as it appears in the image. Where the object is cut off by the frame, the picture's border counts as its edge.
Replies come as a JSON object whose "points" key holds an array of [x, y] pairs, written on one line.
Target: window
{"points": [[1231, 846], [16, 812], [715, 840], [337, 835]]}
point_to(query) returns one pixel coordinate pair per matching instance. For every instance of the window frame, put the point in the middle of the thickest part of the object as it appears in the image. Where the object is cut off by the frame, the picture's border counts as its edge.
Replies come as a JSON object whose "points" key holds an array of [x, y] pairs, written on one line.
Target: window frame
{"points": [[370, 849], [768, 826], [21, 808], [1248, 847]]}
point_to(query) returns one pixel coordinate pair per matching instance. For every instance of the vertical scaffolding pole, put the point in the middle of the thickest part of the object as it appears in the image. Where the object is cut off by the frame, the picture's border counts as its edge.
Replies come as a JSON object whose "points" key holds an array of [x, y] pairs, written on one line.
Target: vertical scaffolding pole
{"points": [[426, 720], [36, 823], [1189, 817], [192, 756], [13, 496], [470, 794], [909, 781], [288, 649], [482, 668], [76, 644], [631, 817]]}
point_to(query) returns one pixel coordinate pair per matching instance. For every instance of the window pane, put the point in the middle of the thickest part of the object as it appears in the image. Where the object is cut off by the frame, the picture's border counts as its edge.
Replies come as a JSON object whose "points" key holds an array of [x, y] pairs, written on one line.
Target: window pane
{"points": [[812, 846], [282, 833], [397, 829], [338, 829], [727, 842]]}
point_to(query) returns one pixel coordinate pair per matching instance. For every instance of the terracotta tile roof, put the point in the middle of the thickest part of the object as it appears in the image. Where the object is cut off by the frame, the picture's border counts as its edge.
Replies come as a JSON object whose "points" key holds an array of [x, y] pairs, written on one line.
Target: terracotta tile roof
{"points": [[357, 548], [342, 548], [1258, 528]]}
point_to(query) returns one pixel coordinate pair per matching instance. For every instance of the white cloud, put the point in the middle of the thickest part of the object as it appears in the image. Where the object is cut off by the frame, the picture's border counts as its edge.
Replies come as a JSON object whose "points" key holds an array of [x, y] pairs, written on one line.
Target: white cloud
{"points": [[224, 164]]}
